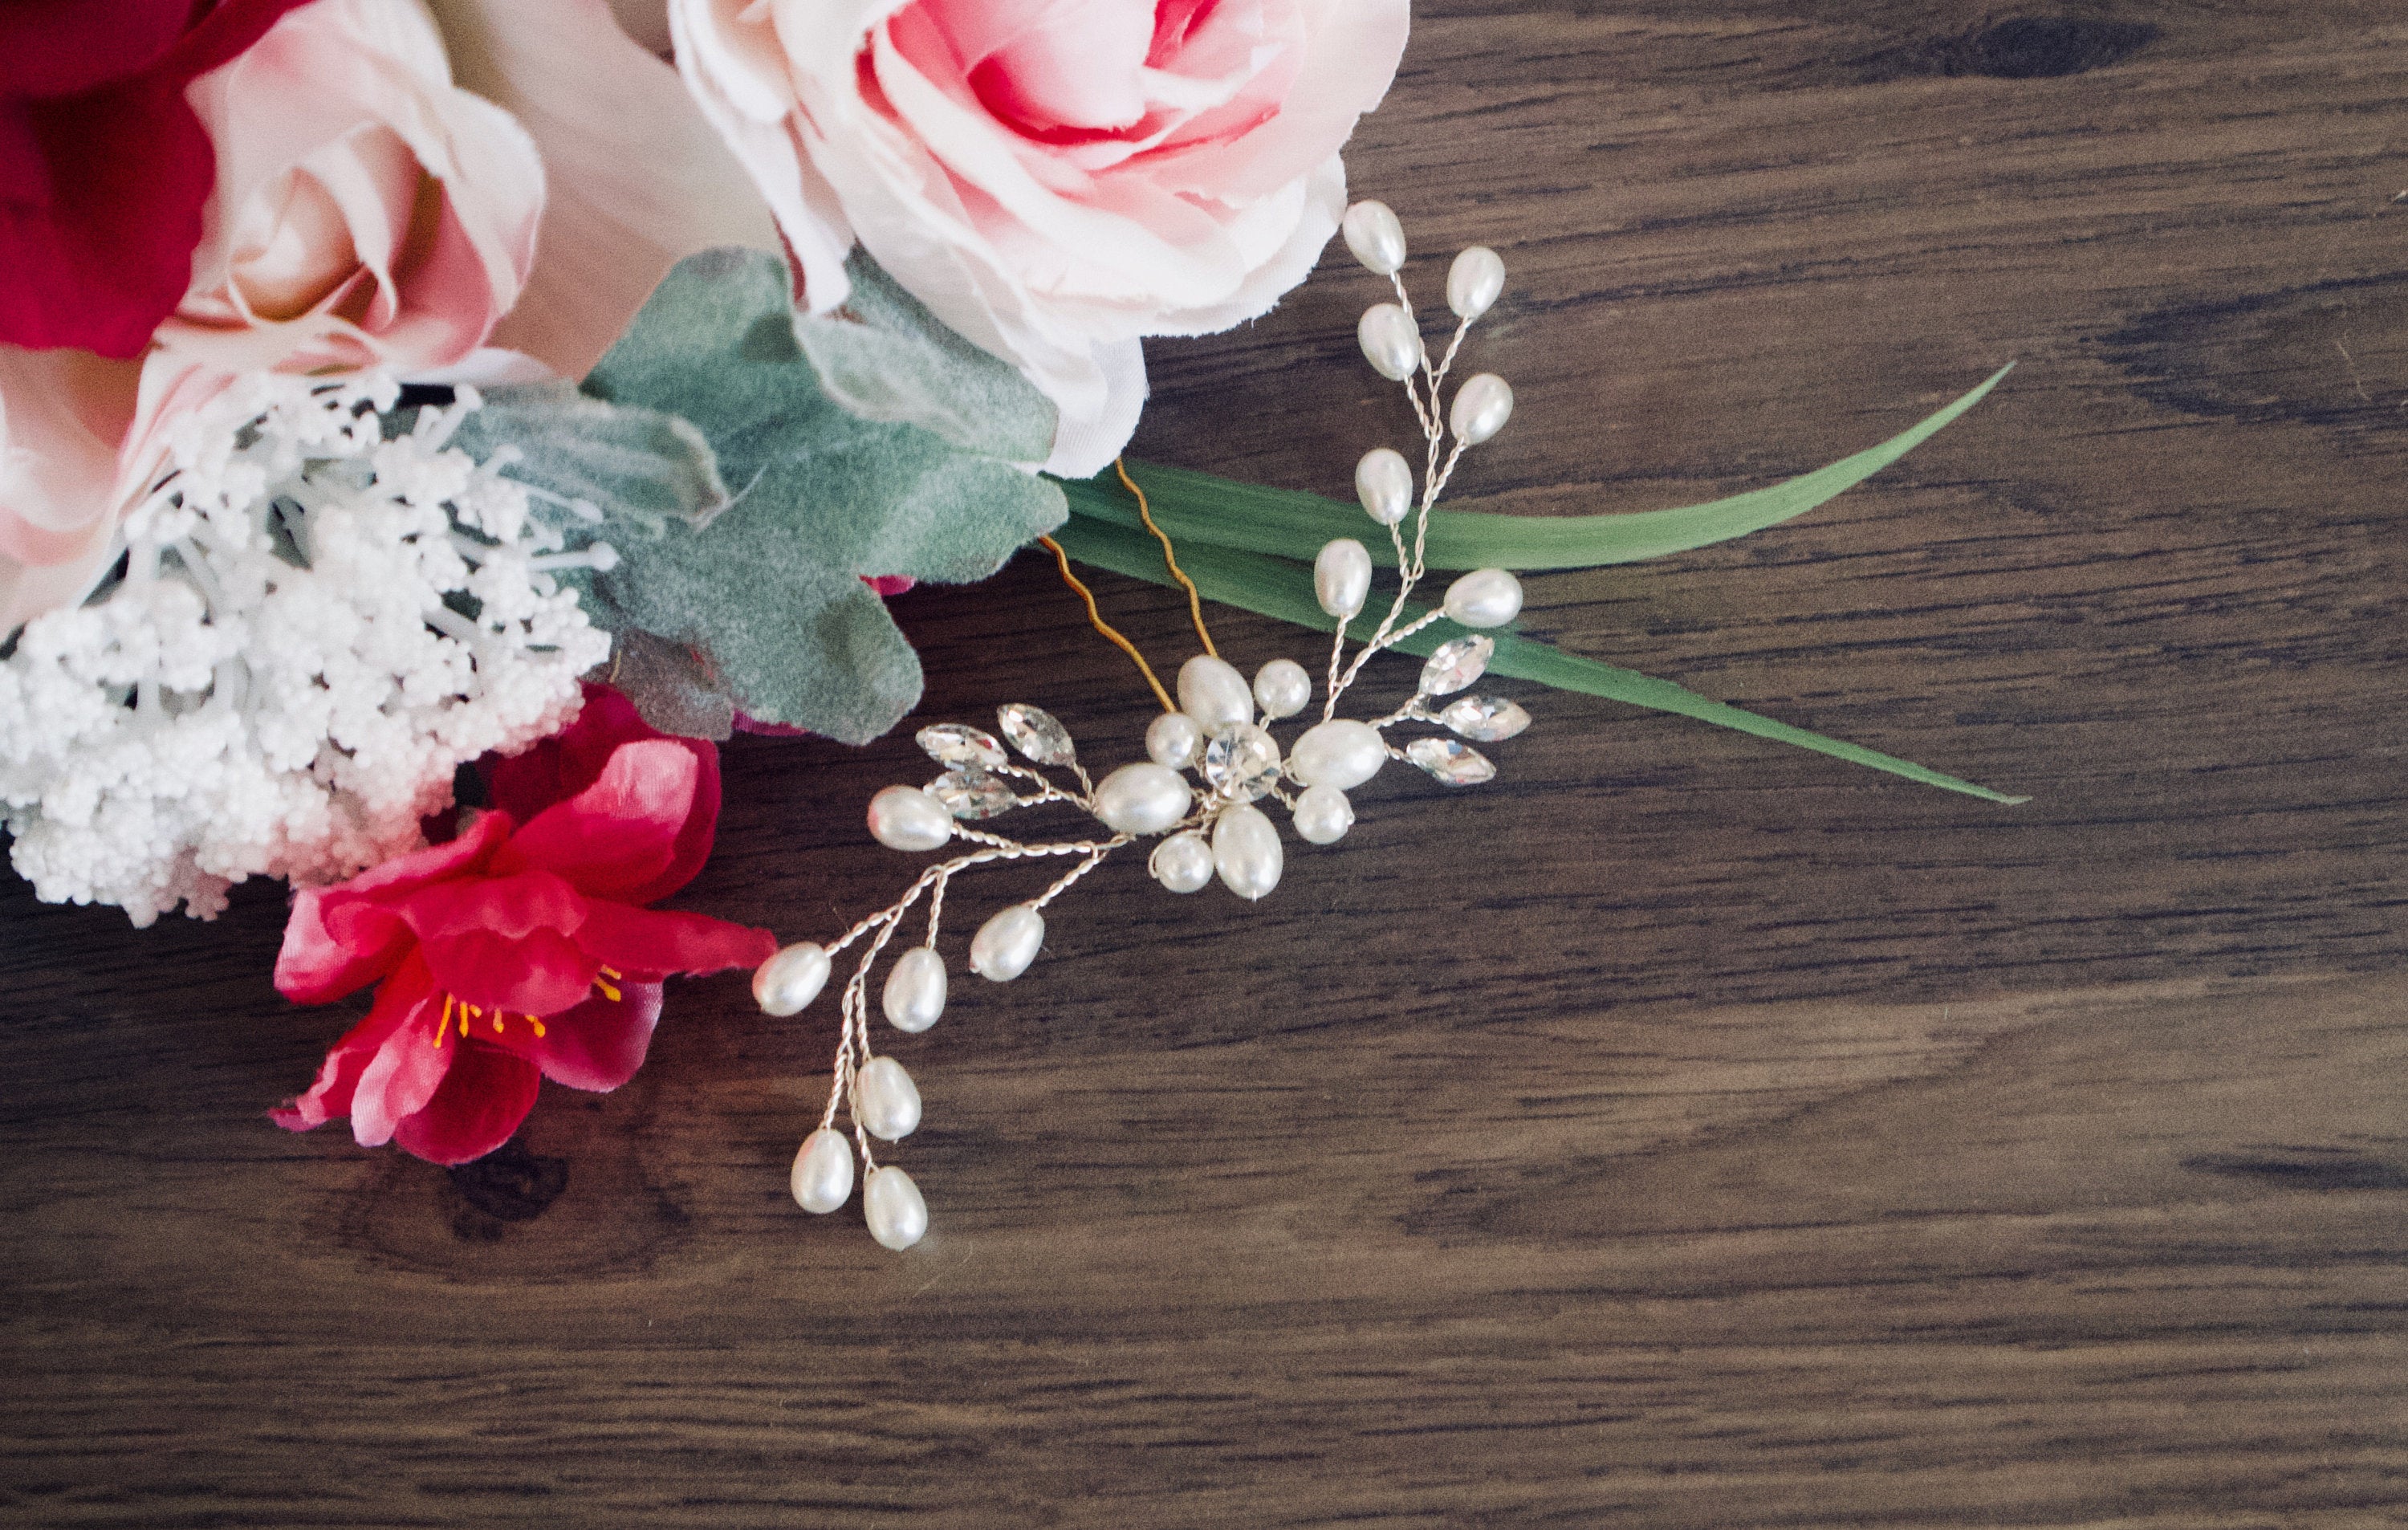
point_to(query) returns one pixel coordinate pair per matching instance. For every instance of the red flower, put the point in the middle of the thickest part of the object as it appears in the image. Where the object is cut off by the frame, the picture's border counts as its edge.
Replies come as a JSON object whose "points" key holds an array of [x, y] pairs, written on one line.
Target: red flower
{"points": [[104, 166], [520, 951]]}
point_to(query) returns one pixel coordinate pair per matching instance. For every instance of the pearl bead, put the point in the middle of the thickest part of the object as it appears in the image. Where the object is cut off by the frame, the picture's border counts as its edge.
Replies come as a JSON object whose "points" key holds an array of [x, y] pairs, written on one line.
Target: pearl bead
{"points": [[1183, 862], [790, 979], [888, 1100], [1480, 408], [1485, 597], [1374, 237], [1322, 815], [823, 1175], [1389, 340], [1282, 688], [1246, 852], [890, 1203], [1143, 798], [1384, 481], [1474, 281], [1174, 740], [1340, 753], [915, 995], [1006, 944], [1341, 577], [1212, 693], [905, 818]]}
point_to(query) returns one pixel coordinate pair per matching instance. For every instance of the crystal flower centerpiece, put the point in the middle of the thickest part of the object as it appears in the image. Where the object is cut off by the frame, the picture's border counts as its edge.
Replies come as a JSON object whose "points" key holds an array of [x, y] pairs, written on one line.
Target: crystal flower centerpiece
{"points": [[1212, 759]]}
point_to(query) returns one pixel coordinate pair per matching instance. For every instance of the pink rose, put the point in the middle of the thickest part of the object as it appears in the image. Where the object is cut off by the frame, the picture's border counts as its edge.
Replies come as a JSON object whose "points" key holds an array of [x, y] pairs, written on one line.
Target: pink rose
{"points": [[1053, 178], [367, 211]]}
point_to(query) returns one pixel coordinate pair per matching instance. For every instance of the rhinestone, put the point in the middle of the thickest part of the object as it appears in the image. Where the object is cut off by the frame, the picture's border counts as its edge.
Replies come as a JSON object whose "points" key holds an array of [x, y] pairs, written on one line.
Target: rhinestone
{"points": [[973, 793], [1457, 663], [1032, 732], [1241, 763], [1451, 762], [961, 748], [1489, 718]]}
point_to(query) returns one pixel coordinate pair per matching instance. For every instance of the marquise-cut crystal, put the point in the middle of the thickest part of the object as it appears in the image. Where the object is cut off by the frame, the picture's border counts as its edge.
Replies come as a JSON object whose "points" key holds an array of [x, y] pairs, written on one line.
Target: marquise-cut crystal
{"points": [[1241, 763], [973, 793], [1488, 719], [1032, 732], [1457, 663], [961, 748], [1451, 761]]}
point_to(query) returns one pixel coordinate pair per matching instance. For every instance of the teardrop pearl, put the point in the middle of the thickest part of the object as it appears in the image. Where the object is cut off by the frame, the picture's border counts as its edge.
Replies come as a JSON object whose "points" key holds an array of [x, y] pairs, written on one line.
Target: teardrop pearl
{"points": [[1341, 752], [905, 818], [1390, 341], [1006, 944], [1485, 597], [1384, 481], [1374, 237], [1143, 798], [1174, 740], [1246, 852], [1183, 862], [790, 979], [1282, 688], [823, 1175], [890, 1203], [1480, 408], [1474, 281], [1212, 693], [887, 1098], [1322, 815], [1341, 577], [915, 995]]}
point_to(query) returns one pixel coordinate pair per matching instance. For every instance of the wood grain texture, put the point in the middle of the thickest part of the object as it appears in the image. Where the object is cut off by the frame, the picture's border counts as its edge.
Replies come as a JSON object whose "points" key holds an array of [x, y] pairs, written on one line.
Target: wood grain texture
{"points": [[1682, 1132]]}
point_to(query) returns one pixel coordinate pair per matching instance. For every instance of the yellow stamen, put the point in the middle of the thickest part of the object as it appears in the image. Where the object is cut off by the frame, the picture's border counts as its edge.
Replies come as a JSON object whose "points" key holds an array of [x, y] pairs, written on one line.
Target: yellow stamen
{"points": [[443, 1025], [537, 1024], [608, 991]]}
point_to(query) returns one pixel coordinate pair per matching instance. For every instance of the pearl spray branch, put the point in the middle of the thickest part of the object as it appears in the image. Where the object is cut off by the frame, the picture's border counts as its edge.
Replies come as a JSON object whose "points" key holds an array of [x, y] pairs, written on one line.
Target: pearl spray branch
{"points": [[1218, 732]]}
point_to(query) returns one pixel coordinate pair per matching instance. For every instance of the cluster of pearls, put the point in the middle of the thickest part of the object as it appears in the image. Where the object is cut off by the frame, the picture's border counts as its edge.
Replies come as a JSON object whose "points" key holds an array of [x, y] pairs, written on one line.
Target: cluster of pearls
{"points": [[1207, 763]]}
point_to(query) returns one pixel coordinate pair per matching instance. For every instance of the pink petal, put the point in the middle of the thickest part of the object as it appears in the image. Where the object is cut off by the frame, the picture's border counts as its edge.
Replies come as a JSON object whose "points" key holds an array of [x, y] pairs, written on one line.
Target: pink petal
{"points": [[571, 761], [403, 1013], [618, 838], [645, 943], [342, 937], [480, 1103], [597, 1046]]}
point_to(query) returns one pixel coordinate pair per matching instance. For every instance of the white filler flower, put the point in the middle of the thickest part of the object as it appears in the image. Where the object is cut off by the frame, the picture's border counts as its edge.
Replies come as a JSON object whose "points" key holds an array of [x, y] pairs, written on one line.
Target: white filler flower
{"points": [[314, 628]]}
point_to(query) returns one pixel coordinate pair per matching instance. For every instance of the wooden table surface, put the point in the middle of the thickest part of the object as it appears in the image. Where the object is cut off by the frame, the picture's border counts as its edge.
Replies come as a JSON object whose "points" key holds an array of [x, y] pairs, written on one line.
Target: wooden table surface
{"points": [[1685, 1131]]}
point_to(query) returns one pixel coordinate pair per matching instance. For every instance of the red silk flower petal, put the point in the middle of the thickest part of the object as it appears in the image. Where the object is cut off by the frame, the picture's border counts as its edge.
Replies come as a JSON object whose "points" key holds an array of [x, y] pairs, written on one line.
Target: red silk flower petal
{"points": [[597, 1046], [541, 972], [566, 764], [643, 943], [616, 838], [343, 937], [483, 1099], [68, 47], [330, 1094], [405, 1073]]}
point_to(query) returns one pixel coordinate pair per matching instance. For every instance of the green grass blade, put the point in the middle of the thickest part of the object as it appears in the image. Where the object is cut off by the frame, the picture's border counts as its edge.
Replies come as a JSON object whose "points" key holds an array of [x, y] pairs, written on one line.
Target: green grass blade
{"points": [[1270, 587], [1198, 509]]}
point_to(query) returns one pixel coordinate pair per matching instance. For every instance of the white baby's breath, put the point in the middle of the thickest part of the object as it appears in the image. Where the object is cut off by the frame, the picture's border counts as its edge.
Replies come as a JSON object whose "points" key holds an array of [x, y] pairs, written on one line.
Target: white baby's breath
{"points": [[284, 681]]}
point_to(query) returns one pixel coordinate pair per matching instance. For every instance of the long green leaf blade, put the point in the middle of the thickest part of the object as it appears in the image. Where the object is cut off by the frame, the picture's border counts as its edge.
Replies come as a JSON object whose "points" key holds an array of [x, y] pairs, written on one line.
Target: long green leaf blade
{"points": [[1200, 508], [1272, 588]]}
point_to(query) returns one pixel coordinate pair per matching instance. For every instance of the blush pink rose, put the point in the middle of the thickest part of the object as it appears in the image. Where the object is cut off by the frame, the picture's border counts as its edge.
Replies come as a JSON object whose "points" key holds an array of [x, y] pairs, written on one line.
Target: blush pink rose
{"points": [[1053, 178]]}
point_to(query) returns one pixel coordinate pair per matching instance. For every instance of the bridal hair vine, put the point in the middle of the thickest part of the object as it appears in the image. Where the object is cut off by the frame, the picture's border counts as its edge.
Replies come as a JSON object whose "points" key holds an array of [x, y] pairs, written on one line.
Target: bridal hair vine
{"points": [[1218, 731]]}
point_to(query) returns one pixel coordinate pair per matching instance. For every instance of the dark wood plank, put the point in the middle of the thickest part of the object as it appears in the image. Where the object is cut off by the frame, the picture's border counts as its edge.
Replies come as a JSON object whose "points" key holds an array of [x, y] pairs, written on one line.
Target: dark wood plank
{"points": [[1685, 1131]]}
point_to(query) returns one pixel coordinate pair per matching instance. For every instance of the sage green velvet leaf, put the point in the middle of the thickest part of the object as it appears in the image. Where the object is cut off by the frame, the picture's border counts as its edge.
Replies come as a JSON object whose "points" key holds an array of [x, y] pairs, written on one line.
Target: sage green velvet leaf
{"points": [[669, 686], [885, 357], [642, 468], [716, 343], [787, 638], [1273, 587], [1198, 508]]}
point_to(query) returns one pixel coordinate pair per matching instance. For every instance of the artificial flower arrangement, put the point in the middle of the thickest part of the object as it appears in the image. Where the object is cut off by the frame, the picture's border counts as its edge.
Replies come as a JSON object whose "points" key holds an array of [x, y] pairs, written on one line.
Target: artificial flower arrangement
{"points": [[399, 398]]}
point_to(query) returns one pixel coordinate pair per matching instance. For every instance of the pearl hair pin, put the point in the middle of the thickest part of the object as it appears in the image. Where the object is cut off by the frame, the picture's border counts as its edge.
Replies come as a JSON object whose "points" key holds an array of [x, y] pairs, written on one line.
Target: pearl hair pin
{"points": [[1210, 758]]}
